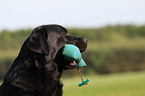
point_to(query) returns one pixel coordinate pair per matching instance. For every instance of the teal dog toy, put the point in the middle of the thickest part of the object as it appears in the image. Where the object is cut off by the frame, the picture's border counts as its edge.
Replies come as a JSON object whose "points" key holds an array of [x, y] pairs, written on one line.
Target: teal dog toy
{"points": [[72, 53]]}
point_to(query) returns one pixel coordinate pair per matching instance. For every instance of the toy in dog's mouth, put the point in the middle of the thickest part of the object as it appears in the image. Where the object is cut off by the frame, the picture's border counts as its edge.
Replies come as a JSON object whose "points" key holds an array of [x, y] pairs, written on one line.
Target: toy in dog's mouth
{"points": [[73, 56], [72, 53]]}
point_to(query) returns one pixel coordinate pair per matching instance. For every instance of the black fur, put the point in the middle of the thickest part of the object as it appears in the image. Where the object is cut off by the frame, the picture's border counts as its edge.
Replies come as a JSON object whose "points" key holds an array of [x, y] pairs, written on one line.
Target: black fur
{"points": [[37, 69]]}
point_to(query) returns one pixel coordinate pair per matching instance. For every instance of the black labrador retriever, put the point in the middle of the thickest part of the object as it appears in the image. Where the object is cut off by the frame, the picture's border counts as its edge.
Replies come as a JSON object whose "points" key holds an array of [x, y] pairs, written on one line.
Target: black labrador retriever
{"points": [[37, 69]]}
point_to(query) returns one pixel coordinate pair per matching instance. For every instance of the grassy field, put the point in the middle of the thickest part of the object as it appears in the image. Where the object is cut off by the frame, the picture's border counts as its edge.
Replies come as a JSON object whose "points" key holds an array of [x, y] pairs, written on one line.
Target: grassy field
{"points": [[123, 84]]}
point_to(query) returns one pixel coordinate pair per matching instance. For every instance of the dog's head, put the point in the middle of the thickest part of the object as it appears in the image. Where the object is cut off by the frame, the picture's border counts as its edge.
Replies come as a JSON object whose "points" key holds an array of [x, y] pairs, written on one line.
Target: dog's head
{"points": [[50, 39]]}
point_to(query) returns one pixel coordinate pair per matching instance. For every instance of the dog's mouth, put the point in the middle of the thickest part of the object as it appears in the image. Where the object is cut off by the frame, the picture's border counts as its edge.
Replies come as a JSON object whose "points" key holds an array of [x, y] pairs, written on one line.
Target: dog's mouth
{"points": [[70, 65]]}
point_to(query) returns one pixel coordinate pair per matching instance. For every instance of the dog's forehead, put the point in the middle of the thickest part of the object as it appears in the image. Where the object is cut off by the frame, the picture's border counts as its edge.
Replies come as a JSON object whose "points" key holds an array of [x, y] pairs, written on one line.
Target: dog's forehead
{"points": [[54, 35]]}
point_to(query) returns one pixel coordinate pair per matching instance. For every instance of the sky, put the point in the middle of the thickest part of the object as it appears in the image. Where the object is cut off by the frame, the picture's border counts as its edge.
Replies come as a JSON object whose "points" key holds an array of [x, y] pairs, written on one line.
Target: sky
{"points": [[17, 14]]}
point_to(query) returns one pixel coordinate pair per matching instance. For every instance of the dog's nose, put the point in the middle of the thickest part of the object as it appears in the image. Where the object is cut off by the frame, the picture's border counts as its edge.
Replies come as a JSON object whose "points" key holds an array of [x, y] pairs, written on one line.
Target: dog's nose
{"points": [[85, 40]]}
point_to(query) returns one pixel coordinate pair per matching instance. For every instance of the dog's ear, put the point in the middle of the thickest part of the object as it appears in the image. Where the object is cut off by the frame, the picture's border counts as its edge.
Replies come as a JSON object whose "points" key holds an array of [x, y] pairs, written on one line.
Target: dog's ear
{"points": [[38, 41]]}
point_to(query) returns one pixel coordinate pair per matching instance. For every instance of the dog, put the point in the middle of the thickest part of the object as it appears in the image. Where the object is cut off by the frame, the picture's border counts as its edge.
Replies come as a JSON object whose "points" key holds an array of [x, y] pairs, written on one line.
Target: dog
{"points": [[38, 67]]}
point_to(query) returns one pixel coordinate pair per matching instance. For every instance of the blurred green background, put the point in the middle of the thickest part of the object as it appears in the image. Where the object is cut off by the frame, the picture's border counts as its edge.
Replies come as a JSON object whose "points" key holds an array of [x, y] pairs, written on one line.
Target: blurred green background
{"points": [[115, 60]]}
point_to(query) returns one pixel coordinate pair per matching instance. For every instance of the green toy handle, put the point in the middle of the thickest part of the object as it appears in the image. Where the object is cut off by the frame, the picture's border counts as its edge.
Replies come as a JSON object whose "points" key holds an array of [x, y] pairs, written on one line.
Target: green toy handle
{"points": [[83, 83]]}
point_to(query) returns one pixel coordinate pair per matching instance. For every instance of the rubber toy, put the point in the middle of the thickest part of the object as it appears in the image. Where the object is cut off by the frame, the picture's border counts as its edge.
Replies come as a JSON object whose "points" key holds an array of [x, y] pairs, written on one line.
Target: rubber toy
{"points": [[72, 53]]}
